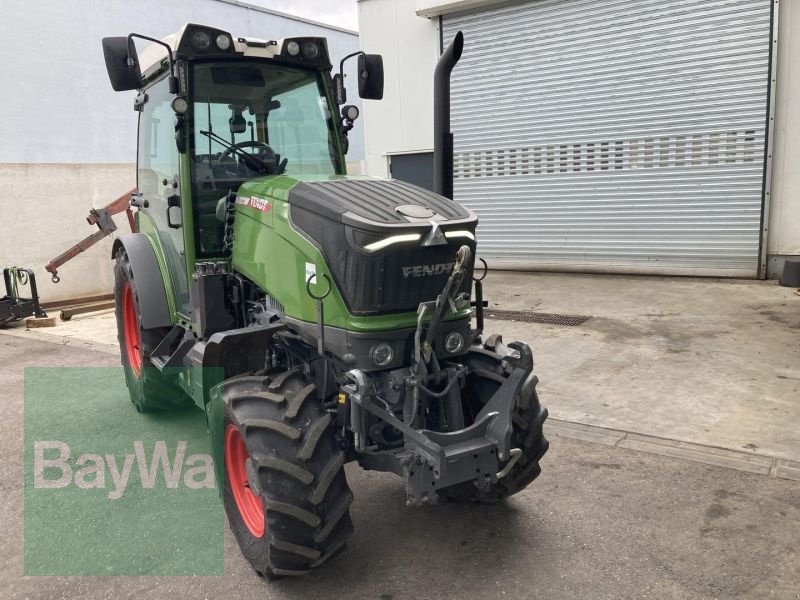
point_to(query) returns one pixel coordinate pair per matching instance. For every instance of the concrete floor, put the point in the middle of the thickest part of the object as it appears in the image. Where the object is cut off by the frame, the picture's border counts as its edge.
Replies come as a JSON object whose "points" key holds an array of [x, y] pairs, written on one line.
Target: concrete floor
{"points": [[712, 362], [601, 522]]}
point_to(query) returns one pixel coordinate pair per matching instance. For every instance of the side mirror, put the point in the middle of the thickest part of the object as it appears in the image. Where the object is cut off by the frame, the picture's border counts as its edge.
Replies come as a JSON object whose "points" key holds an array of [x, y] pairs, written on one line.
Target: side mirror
{"points": [[370, 76], [339, 91], [122, 64]]}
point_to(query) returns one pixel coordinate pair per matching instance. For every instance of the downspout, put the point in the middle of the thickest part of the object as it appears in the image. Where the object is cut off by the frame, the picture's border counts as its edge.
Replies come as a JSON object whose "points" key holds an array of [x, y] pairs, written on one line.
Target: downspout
{"points": [[442, 136]]}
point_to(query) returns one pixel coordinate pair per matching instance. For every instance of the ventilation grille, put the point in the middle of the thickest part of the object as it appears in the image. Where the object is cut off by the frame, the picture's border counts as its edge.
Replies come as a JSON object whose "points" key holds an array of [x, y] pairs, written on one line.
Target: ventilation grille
{"points": [[696, 150]]}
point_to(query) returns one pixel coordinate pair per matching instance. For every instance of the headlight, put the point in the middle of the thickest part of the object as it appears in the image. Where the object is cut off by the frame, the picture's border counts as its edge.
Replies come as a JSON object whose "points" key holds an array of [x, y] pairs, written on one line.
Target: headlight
{"points": [[382, 354], [200, 41], [293, 48], [223, 42], [392, 239], [454, 342], [310, 50]]}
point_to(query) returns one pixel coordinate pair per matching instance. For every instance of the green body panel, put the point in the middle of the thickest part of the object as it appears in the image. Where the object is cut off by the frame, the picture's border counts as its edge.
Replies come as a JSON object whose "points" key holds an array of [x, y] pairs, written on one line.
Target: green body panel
{"points": [[274, 255]]}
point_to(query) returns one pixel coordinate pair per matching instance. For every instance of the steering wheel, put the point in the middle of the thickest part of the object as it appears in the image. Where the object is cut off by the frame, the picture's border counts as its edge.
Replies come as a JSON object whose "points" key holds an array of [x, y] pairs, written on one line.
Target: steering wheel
{"points": [[247, 144], [275, 166]]}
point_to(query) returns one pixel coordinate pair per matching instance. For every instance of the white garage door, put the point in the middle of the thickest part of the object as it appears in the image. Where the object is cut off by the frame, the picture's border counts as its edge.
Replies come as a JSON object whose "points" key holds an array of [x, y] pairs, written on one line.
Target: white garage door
{"points": [[627, 134]]}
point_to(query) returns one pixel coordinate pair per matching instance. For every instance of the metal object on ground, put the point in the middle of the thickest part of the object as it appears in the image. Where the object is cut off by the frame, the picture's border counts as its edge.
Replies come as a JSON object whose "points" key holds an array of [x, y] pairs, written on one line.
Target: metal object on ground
{"points": [[14, 307], [102, 217], [791, 273], [68, 313], [528, 316]]}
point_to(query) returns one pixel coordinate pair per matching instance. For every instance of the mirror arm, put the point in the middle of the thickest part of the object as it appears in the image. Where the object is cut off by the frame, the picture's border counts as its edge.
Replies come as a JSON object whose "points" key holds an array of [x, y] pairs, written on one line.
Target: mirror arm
{"points": [[343, 99], [173, 80], [348, 57]]}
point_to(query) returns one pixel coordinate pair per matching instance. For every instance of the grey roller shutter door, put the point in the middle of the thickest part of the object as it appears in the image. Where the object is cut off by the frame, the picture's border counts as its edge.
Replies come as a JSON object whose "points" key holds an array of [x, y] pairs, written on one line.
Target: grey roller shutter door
{"points": [[622, 134]]}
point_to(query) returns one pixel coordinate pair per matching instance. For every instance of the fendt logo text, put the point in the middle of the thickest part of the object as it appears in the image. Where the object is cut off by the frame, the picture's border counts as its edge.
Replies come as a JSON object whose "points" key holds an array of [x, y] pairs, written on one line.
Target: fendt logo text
{"points": [[428, 270]]}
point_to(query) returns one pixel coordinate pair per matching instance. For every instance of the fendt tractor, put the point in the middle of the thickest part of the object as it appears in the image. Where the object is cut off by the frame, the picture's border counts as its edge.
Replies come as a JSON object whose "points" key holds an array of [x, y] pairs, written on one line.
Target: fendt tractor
{"points": [[317, 318]]}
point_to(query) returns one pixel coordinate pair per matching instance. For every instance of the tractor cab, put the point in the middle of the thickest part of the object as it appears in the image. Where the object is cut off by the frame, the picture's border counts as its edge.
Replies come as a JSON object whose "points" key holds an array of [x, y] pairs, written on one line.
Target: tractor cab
{"points": [[251, 120], [217, 111]]}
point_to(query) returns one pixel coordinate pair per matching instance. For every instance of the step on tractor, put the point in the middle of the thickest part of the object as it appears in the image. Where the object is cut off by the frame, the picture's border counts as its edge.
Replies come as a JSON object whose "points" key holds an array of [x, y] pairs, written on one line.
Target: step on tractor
{"points": [[317, 318]]}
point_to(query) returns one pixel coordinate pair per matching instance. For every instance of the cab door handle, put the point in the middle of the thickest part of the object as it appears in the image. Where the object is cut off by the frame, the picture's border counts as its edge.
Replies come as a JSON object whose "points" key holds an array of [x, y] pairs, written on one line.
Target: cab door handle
{"points": [[138, 201]]}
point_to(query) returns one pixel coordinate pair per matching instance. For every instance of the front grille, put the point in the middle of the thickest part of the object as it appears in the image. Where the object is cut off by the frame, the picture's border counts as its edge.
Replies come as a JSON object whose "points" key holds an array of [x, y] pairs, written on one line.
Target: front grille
{"points": [[527, 316], [407, 280]]}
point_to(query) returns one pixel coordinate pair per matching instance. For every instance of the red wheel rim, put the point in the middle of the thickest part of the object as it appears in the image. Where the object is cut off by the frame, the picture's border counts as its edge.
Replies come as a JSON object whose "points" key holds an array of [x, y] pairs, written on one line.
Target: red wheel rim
{"points": [[130, 326], [248, 504]]}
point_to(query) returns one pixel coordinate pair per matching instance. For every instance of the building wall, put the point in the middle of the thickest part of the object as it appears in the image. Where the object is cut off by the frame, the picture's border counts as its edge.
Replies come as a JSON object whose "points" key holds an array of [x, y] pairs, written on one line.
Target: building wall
{"points": [[403, 121], [784, 231], [69, 141]]}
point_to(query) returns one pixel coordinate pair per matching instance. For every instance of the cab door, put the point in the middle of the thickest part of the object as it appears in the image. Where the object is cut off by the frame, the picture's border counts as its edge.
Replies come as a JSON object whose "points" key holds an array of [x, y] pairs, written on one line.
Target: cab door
{"points": [[158, 180]]}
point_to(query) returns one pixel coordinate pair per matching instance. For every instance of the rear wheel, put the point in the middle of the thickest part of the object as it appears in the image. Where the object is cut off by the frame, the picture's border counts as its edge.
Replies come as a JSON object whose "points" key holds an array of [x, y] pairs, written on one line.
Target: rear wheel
{"points": [[150, 389], [286, 495], [486, 376]]}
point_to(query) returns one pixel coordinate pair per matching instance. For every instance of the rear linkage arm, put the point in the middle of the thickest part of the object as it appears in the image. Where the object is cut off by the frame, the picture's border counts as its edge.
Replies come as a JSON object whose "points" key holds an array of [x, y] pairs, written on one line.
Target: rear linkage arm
{"points": [[102, 217]]}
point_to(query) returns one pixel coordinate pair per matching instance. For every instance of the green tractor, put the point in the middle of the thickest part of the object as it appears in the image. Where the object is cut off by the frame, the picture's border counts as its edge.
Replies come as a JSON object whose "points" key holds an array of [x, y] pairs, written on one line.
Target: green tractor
{"points": [[318, 319]]}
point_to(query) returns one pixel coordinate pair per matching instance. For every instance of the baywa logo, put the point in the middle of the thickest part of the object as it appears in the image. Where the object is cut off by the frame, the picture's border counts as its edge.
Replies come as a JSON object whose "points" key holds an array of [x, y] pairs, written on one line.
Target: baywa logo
{"points": [[428, 270], [52, 469]]}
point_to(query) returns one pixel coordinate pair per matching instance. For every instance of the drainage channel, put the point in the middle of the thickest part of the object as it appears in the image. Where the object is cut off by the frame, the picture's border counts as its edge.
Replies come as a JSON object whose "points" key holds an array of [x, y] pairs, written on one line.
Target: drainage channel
{"points": [[529, 316]]}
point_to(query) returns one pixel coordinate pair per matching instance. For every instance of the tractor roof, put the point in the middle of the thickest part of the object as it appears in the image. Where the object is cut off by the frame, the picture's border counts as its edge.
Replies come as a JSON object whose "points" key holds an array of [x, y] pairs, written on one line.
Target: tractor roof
{"points": [[151, 58]]}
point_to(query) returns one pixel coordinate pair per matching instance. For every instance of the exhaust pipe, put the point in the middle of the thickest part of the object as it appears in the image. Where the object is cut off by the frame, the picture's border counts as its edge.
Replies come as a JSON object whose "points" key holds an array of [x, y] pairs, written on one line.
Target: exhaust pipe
{"points": [[442, 136]]}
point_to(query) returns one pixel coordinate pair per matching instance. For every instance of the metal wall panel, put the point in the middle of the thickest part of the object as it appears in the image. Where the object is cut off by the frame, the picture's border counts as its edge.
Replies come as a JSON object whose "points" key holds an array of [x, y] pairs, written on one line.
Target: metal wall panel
{"points": [[622, 134]]}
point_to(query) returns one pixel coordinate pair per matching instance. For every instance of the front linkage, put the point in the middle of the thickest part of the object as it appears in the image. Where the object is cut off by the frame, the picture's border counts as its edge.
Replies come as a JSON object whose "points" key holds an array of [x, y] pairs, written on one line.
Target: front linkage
{"points": [[430, 461]]}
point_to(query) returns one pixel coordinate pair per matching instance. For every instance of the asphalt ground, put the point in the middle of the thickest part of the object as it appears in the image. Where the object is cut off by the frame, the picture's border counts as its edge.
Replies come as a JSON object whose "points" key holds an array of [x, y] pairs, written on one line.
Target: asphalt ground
{"points": [[600, 522]]}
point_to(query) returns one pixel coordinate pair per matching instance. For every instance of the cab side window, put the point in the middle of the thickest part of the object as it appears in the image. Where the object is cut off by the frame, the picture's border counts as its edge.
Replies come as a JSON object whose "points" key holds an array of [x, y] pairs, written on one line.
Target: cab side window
{"points": [[158, 155], [158, 178]]}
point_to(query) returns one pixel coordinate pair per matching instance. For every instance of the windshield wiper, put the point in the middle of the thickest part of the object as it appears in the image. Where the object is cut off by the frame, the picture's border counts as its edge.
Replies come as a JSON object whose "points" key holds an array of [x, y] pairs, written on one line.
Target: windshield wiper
{"points": [[254, 162]]}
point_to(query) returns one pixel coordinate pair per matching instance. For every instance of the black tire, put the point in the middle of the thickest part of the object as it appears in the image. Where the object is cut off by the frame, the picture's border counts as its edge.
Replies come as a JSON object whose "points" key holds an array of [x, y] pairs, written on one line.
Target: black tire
{"points": [[297, 465], [486, 375], [150, 389]]}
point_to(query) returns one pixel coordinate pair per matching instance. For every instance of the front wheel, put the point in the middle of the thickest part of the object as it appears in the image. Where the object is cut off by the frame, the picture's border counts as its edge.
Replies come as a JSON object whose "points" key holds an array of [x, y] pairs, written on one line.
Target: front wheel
{"points": [[286, 495]]}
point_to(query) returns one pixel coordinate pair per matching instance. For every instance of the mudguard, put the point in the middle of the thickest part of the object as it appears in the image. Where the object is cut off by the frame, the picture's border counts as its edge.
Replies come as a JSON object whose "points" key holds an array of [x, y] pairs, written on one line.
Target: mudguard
{"points": [[149, 280]]}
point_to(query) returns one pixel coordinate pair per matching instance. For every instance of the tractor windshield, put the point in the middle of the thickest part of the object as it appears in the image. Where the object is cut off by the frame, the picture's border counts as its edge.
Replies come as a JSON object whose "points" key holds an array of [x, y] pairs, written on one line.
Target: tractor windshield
{"points": [[276, 113], [251, 119]]}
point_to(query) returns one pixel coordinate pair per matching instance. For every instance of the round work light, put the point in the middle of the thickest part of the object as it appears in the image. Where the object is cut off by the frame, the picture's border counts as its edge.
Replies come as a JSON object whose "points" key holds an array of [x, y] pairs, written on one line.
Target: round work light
{"points": [[454, 342], [223, 42], [293, 48], [382, 354], [200, 41]]}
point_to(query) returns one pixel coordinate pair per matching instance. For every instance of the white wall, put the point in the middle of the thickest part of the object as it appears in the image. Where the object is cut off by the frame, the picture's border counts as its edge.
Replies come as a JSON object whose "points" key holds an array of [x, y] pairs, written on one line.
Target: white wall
{"points": [[69, 141], [784, 232], [403, 120]]}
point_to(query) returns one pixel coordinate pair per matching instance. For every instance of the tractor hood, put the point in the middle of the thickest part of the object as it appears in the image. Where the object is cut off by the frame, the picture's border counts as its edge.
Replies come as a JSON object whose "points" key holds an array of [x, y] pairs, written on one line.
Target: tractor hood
{"points": [[389, 245], [378, 204]]}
